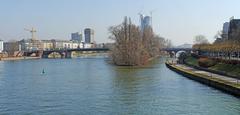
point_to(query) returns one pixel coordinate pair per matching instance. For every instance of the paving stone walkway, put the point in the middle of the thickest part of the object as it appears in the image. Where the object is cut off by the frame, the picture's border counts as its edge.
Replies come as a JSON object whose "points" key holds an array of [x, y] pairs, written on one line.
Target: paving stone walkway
{"points": [[211, 75]]}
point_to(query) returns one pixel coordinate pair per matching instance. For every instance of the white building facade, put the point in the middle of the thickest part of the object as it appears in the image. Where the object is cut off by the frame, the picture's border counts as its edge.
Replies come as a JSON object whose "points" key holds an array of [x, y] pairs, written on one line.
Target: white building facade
{"points": [[30, 45], [54, 44], [64, 44], [87, 45], [47, 44], [1, 46]]}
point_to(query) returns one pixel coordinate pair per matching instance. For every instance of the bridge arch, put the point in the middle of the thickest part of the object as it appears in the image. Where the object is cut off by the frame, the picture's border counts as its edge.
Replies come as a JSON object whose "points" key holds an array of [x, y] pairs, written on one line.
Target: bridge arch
{"points": [[181, 56], [54, 54], [173, 51], [33, 53]]}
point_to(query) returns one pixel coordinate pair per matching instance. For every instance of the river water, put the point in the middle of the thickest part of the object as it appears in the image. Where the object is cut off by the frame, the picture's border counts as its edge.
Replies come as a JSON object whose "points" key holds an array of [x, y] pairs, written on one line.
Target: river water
{"points": [[90, 86]]}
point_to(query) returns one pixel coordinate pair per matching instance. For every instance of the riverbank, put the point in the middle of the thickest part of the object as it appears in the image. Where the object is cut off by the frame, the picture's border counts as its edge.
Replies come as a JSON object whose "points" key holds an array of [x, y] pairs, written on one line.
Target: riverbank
{"points": [[229, 85], [18, 58]]}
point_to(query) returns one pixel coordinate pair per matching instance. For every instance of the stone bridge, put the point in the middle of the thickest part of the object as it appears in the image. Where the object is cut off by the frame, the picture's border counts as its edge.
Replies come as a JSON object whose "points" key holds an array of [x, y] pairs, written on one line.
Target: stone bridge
{"points": [[65, 53], [173, 51]]}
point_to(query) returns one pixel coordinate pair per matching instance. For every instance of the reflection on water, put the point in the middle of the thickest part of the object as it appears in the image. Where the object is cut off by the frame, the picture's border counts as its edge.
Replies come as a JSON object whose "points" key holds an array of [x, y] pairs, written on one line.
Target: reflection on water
{"points": [[92, 86]]}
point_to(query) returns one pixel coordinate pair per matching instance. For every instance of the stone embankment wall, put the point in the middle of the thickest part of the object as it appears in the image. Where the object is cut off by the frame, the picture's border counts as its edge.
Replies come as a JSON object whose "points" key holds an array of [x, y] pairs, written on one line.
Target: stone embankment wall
{"points": [[218, 84]]}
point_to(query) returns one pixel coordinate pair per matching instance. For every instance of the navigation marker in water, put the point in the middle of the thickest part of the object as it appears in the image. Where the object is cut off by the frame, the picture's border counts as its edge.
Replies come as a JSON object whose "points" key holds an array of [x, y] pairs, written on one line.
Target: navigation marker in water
{"points": [[43, 72]]}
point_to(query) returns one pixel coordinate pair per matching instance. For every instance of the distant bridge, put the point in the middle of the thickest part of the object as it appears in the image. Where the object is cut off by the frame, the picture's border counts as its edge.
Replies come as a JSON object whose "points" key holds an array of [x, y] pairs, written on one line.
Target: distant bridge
{"points": [[65, 53], [175, 50], [78, 49]]}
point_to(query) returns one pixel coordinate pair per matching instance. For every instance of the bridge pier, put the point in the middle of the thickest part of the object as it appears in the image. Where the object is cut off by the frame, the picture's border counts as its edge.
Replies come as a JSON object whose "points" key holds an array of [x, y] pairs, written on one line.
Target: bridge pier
{"points": [[172, 54], [39, 53], [68, 54], [44, 55]]}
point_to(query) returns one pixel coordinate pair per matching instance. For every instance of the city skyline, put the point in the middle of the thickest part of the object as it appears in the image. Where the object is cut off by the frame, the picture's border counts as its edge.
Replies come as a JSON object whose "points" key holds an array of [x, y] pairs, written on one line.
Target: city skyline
{"points": [[175, 20]]}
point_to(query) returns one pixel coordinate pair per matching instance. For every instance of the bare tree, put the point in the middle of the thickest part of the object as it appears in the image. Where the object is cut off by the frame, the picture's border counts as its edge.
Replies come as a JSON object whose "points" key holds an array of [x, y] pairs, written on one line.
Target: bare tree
{"points": [[11, 48], [200, 39], [132, 46], [168, 43]]}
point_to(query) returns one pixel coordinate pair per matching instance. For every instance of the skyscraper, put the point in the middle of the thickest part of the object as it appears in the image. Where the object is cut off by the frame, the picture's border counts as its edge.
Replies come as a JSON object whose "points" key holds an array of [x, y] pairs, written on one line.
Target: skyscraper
{"points": [[234, 29], [76, 37], [89, 35], [145, 21], [225, 30]]}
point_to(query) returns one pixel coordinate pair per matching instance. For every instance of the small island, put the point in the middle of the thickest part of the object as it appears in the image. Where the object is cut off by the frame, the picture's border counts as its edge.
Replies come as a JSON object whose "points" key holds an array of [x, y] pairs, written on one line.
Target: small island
{"points": [[134, 45]]}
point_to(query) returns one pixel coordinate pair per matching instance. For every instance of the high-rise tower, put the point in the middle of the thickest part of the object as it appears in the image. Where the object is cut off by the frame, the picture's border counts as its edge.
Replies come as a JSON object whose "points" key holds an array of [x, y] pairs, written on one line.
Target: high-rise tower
{"points": [[89, 35], [145, 21]]}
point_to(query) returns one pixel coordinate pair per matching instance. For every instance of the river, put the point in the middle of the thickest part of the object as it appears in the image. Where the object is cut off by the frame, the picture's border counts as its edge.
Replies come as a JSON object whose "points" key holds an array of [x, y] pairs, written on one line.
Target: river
{"points": [[90, 86]]}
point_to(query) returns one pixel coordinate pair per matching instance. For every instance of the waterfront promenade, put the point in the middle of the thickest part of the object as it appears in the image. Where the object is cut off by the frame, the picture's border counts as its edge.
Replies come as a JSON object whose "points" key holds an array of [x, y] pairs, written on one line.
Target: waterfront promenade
{"points": [[209, 74], [18, 58], [224, 83]]}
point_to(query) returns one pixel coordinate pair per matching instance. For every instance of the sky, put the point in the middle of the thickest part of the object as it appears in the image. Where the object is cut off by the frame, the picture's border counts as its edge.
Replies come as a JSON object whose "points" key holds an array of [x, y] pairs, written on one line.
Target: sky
{"points": [[177, 20]]}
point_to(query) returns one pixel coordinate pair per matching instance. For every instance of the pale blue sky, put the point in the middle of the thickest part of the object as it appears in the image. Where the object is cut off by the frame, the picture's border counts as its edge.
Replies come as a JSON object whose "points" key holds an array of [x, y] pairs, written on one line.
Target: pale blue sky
{"points": [[178, 20]]}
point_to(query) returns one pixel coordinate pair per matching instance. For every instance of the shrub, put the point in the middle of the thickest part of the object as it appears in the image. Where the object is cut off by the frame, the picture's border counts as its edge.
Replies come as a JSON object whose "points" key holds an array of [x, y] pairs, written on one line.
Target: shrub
{"points": [[206, 62], [226, 61], [195, 55]]}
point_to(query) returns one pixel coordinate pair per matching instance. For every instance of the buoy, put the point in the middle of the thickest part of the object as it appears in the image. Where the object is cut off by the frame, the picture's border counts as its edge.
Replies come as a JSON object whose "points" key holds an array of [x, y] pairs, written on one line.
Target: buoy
{"points": [[43, 71]]}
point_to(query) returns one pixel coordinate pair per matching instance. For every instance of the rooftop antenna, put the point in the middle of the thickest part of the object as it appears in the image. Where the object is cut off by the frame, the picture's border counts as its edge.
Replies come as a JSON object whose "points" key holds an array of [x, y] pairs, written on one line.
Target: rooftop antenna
{"points": [[141, 15], [151, 14], [32, 31], [141, 20]]}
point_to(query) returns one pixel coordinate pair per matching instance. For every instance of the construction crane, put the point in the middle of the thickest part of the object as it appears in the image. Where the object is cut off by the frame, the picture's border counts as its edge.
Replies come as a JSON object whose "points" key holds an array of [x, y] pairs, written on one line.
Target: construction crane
{"points": [[32, 31], [141, 20], [151, 14], [34, 44]]}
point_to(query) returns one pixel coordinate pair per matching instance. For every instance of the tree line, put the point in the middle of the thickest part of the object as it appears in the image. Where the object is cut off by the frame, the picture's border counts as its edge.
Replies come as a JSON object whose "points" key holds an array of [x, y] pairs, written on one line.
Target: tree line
{"points": [[220, 48]]}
